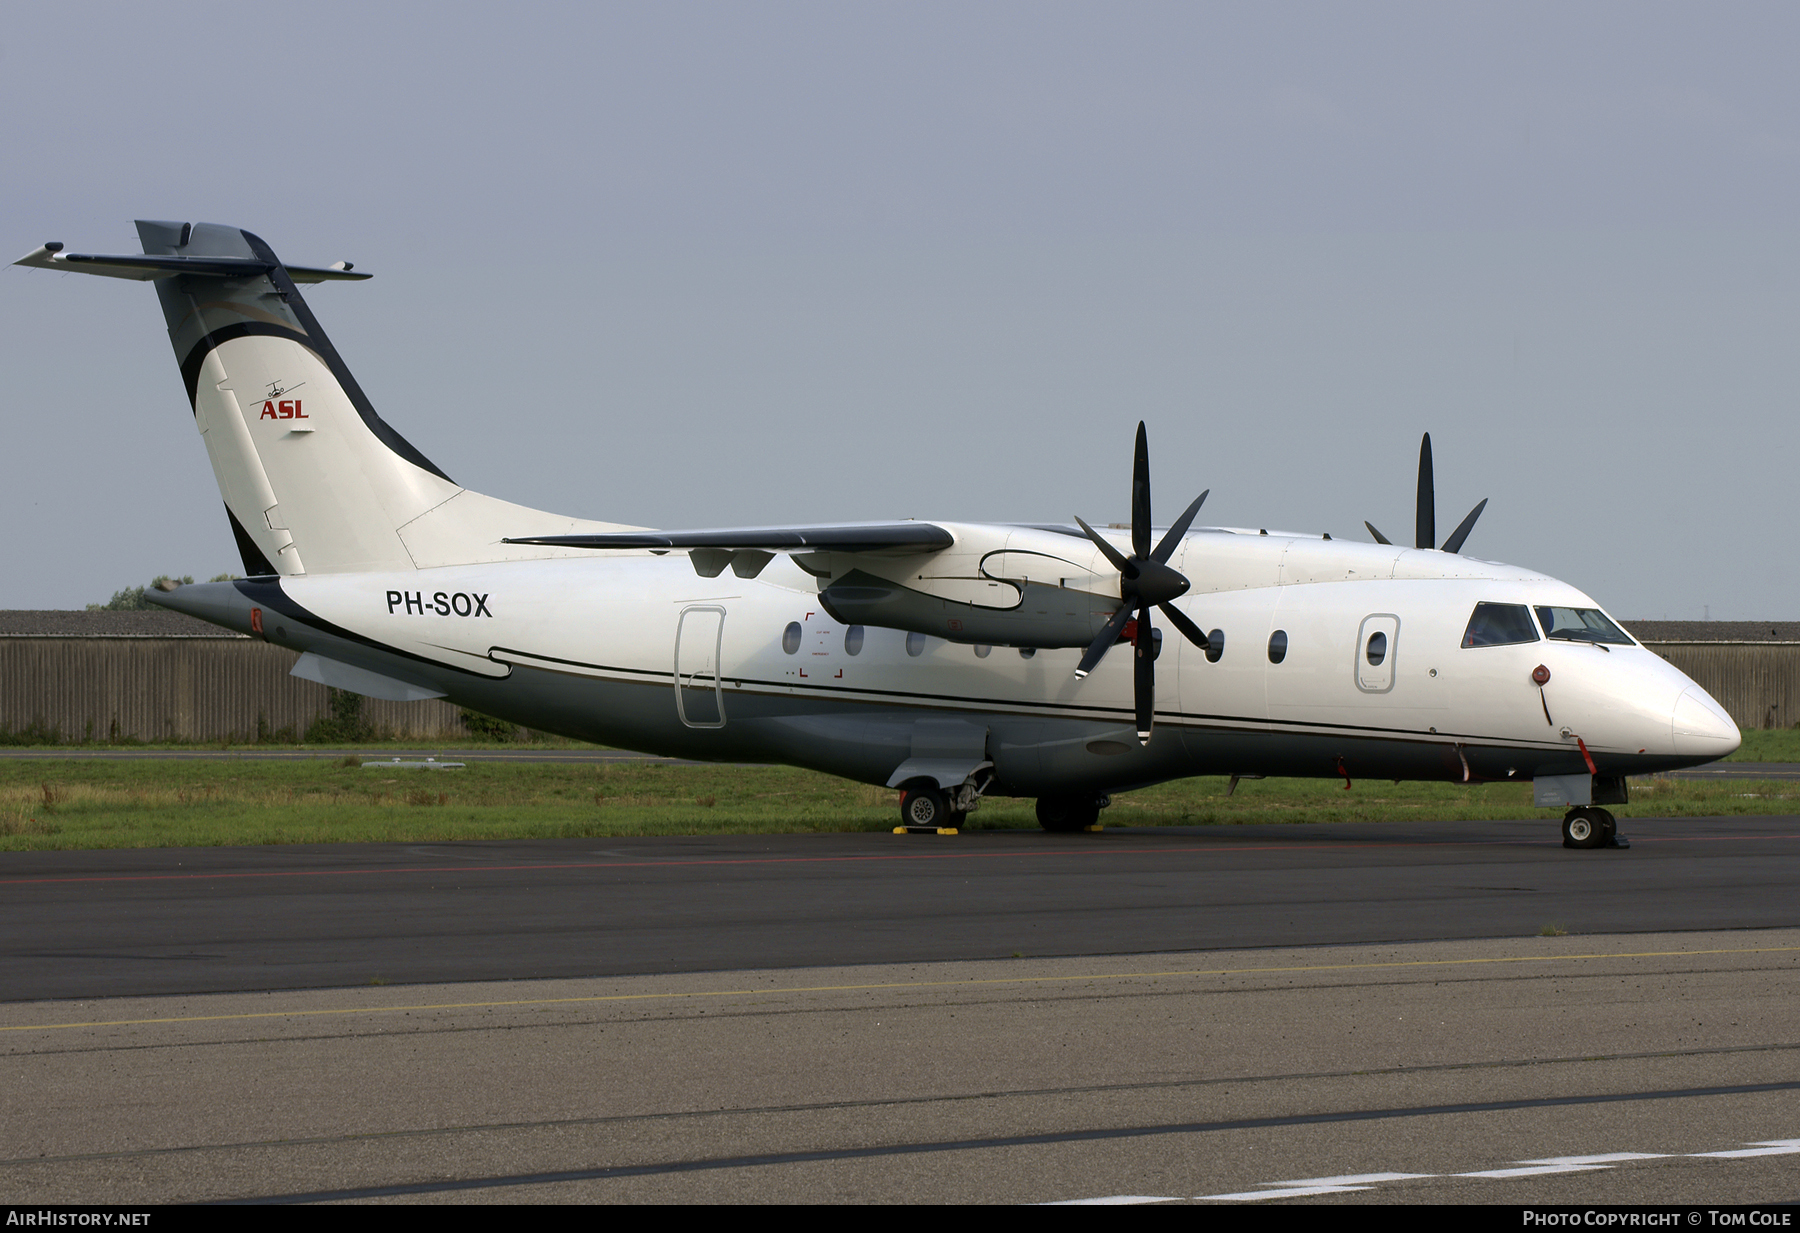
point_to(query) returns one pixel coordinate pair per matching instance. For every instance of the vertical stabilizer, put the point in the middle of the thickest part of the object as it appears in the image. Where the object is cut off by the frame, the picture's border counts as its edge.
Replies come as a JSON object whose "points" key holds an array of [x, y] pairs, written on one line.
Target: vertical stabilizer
{"points": [[313, 479]]}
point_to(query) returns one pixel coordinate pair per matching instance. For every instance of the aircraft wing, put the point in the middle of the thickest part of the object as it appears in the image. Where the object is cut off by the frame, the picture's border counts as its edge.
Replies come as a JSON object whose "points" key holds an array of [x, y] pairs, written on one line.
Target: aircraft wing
{"points": [[881, 537]]}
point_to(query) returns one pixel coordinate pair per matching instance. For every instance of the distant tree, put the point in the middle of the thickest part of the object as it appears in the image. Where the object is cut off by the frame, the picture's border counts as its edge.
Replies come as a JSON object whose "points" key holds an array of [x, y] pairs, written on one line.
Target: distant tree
{"points": [[344, 721], [131, 599]]}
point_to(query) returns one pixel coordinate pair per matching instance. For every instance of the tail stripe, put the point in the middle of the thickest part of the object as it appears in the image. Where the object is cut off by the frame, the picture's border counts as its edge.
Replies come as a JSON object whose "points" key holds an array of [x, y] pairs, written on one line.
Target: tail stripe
{"points": [[255, 563], [321, 346], [190, 367]]}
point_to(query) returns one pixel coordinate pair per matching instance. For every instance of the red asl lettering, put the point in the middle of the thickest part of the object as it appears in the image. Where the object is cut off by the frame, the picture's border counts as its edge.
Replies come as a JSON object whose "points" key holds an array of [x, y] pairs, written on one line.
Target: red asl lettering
{"points": [[268, 412], [287, 409]]}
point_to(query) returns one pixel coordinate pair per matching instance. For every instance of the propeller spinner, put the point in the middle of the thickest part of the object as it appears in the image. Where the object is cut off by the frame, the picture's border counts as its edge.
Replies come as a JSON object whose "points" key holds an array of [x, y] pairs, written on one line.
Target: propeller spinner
{"points": [[1145, 582], [1425, 516]]}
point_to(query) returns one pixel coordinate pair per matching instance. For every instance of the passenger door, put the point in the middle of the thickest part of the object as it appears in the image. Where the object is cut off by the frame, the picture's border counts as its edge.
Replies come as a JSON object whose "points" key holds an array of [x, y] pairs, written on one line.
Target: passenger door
{"points": [[699, 640]]}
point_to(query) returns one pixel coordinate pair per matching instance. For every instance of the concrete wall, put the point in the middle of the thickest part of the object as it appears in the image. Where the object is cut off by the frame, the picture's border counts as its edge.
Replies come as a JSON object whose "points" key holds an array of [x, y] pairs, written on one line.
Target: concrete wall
{"points": [[181, 689], [1758, 683]]}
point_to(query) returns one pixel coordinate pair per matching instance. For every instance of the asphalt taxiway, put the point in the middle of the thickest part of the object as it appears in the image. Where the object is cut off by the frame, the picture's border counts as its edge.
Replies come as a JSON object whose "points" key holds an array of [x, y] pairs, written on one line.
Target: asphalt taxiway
{"points": [[985, 1017], [1643, 1069], [155, 921]]}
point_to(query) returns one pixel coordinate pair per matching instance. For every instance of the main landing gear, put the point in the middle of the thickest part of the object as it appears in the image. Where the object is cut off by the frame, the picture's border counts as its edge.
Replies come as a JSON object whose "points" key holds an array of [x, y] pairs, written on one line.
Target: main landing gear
{"points": [[1589, 826], [1065, 814]]}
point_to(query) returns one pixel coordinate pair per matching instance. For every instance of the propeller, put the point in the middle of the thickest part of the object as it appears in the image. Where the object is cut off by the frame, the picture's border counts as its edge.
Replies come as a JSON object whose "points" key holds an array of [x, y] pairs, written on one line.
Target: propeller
{"points": [[1145, 582], [1425, 519]]}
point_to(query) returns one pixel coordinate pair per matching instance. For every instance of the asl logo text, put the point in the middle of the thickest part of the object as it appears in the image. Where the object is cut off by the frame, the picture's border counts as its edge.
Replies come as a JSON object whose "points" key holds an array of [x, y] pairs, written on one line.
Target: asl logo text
{"points": [[286, 409], [460, 604]]}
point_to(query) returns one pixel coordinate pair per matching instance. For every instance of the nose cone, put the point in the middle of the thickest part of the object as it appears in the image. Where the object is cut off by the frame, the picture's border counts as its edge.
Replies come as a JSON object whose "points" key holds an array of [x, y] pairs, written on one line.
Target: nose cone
{"points": [[1701, 726]]}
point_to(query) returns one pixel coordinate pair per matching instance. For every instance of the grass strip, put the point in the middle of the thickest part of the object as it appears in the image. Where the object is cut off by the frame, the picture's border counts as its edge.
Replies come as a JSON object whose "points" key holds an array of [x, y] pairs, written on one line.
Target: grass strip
{"points": [[64, 804]]}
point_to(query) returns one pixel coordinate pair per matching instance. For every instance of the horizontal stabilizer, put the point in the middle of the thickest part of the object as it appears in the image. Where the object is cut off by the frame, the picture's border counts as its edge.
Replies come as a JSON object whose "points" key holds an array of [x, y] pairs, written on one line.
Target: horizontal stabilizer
{"points": [[148, 267], [311, 667], [868, 537]]}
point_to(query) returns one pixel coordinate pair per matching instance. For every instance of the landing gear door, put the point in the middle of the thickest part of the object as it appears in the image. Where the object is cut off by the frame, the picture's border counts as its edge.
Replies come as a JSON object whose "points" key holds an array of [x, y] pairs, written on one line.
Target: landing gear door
{"points": [[1376, 645], [699, 639]]}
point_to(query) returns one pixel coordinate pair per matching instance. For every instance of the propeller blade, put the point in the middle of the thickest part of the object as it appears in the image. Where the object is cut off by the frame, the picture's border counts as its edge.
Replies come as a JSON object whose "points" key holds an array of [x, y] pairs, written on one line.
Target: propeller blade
{"points": [[1101, 645], [1379, 537], [1140, 496], [1425, 529], [1119, 563], [1143, 676], [1166, 549], [1189, 630], [1455, 542]]}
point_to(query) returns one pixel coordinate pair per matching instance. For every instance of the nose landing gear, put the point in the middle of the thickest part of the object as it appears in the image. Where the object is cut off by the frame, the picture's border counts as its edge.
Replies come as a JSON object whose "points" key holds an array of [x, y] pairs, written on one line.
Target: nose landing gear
{"points": [[1591, 827], [926, 808]]}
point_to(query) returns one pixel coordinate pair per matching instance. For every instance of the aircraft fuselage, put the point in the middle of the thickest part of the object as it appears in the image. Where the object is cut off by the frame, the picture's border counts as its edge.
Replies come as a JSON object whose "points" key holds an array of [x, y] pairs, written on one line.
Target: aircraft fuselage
{"points": [[592, 648]]}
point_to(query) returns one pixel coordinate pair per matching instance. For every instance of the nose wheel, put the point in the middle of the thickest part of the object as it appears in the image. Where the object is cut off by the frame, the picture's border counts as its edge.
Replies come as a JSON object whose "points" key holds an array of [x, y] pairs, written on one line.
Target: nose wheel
{"points": [[926, 808], [1591, 827]]}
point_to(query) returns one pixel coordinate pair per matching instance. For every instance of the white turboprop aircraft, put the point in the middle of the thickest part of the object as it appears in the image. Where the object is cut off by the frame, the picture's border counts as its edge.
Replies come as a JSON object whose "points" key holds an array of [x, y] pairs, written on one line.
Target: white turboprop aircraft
{"points": [[949, 660]]}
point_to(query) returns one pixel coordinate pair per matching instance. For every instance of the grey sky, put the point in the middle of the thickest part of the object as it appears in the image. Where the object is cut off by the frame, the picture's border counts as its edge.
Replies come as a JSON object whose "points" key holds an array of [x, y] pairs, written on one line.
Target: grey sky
{"points": [[691, 265]]}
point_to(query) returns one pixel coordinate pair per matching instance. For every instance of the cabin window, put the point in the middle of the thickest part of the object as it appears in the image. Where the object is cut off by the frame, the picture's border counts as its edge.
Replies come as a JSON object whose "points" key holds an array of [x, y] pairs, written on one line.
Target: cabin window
{"points": [[915, 644], [1215, 646], [790, 638], [1278, 646], [1499, 625], [1581, 625], [853, 640], [1377, 649]]}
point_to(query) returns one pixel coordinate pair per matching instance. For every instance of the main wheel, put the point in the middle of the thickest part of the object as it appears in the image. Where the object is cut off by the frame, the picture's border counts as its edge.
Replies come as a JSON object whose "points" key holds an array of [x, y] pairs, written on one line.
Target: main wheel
{"points": [[1063, 814], [1584, 828], [924, 804], [1609, 827]]}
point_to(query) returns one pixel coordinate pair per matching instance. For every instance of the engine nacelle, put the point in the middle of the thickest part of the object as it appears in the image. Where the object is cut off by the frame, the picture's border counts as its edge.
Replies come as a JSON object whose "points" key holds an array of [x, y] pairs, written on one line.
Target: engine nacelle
{"points": [[1038, 616]]}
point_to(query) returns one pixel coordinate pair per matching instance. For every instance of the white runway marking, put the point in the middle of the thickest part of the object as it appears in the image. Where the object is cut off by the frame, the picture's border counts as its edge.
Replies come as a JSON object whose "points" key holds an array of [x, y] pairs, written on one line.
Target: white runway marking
{"points": [[1769, 1147], [1350, 1183], [1565, 1164], [1286, 1192], [1532, 1171], [1344, 1184]]}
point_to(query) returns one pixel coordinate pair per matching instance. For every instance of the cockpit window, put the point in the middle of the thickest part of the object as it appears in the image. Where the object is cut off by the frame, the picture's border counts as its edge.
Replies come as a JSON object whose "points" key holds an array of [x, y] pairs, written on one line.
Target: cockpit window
{"points": [[1581, 625], [1500, 625]]}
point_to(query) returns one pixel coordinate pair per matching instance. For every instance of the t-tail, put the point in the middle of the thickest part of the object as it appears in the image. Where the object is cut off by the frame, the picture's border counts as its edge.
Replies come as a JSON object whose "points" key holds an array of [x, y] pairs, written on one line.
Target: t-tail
{"points": [[314, 480]]}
